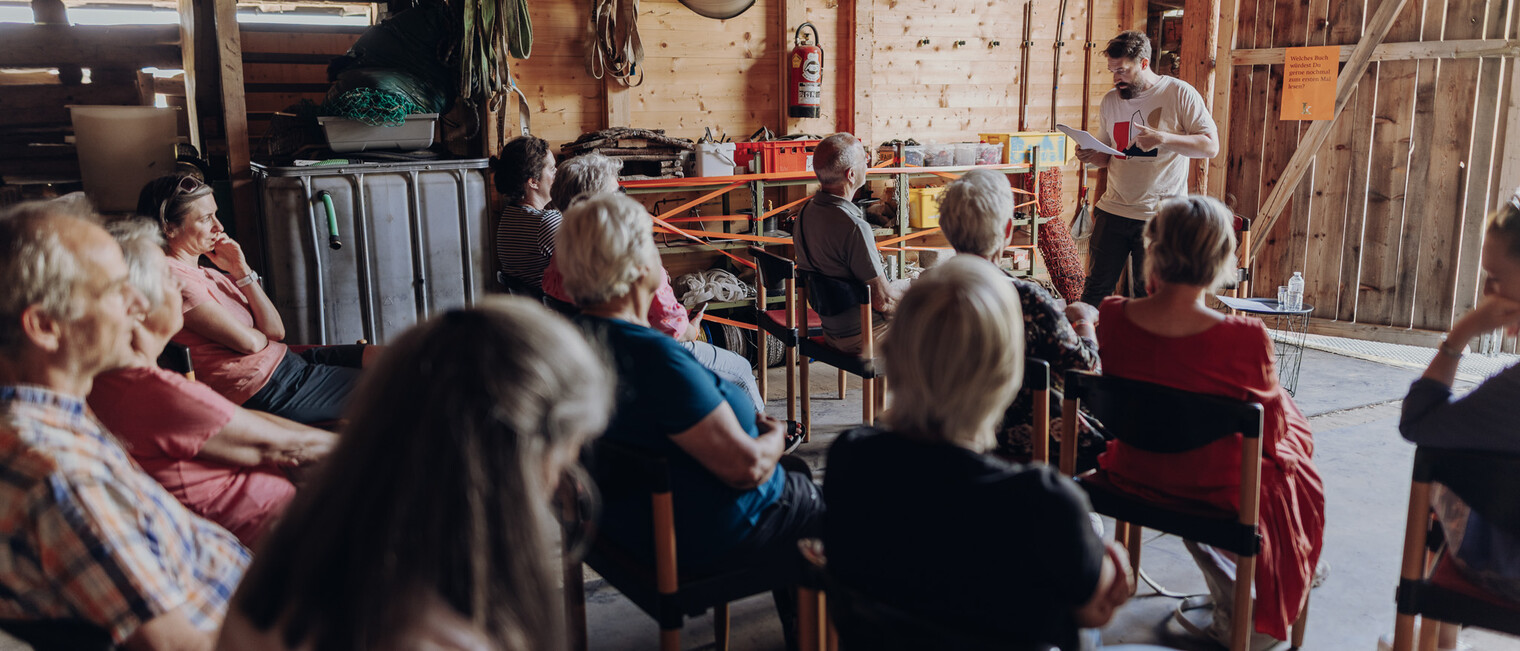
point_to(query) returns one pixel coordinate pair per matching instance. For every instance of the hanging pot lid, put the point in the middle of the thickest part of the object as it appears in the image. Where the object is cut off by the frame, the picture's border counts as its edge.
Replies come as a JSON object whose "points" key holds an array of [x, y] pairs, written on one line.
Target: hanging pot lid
{"points": [[719, 9]]}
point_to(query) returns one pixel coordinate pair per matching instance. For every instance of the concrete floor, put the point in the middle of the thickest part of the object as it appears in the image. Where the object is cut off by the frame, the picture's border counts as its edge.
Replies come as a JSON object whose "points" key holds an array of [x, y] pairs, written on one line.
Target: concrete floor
{"points": [[1353, 407]]}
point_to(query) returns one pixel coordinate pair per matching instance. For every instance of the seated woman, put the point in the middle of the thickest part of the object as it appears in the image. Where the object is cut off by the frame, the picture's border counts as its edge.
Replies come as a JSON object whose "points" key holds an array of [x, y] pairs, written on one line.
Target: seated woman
{"points": [[1172, 338], [976, 214], [736, 506], [222, 461], [526, 228], [968, 542], [231, 327], [430, 525], [590, 174], [1484, 418]]}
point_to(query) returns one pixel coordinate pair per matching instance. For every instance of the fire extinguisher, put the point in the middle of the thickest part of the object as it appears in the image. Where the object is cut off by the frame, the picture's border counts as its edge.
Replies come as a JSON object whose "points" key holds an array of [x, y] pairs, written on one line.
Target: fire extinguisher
{"points": [[806, 75]]}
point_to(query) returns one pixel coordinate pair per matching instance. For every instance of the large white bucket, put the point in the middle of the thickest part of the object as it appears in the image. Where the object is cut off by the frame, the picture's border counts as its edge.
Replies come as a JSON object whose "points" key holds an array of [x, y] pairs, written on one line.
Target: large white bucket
{"points": [[121, 148]]}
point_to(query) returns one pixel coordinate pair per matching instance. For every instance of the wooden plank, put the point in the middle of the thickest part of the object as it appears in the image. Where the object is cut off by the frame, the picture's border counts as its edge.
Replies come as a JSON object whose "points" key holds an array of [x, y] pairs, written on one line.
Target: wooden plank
{"points": [[788, 18], [1420, 216], [265, 73], [1379, 333], [1448, 49], [1276, 260], [1451, 166], [1223, 75], [1243, 167], [1485, 160], [1392, 130], [1200, 42], [1359, 116], [863, 48], [288, 42], [127, 46], [47, 104], [1335, 195], [1377, 29]]}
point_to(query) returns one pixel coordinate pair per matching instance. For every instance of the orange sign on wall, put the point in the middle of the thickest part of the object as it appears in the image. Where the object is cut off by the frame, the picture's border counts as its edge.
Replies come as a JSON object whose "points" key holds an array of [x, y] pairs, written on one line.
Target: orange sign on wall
{"points": [[1309, 75]]}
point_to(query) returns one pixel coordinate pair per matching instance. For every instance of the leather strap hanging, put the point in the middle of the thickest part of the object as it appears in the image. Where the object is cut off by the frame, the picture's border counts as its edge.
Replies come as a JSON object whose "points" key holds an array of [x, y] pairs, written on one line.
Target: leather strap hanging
{"points": [[616, 47]]}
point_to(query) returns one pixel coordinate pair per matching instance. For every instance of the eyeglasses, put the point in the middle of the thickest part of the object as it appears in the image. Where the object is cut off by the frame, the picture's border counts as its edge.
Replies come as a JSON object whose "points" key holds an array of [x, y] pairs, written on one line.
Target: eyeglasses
{"points": [[186, 185]]}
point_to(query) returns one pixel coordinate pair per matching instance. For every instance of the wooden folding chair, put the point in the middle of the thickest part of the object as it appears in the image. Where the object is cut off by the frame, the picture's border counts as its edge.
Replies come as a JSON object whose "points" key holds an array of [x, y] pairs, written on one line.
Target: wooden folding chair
{"points": [[661, 590], [1436, 592], [1165, 420], [176, 357], [830, 296], [781, 324], [1037, 380]]}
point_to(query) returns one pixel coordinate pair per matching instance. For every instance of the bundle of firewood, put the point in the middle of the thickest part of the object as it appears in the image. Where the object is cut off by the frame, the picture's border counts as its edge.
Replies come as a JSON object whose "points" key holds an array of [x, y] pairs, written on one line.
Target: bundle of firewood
{"points": [[646, 153]]}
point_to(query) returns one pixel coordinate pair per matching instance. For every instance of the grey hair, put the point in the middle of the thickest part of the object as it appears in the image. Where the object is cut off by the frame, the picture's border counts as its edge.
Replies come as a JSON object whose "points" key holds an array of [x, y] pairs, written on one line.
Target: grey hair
{"points": [[604, 247], [836, 155], [142, 243], [962, 310], [1191, 241], [586, 174], [38, 267], [975, 212]]}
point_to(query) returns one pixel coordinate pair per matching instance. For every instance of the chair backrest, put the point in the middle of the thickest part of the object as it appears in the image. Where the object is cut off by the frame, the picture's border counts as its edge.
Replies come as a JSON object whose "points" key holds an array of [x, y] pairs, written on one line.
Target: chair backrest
{"points": [[176, 357], [771, 268], [624, 469], [1037, 381], [832, 296], [1486, 481], [1162, 419], [59, 634], [866, 624]]}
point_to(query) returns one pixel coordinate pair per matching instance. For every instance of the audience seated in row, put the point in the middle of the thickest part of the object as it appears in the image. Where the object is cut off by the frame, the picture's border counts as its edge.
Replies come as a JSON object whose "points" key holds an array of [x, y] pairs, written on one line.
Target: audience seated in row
{"points": [[429, 526], [1483, 418], [1171, 338], [976, 214], [591, 174], [833, 239], [231, 327], [923, 519], [738, 506], [89, 536], [224, 462]]}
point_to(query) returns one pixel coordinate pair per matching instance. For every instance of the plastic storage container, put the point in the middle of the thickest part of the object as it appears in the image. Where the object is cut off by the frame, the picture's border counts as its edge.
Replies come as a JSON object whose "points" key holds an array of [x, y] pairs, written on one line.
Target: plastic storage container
{"points": [[775, 156], [413, 244], [347, 136], [923, 206], [715, 158], [913, 155], [121, 149], [989, 154], [965, 153], [939, 155]]}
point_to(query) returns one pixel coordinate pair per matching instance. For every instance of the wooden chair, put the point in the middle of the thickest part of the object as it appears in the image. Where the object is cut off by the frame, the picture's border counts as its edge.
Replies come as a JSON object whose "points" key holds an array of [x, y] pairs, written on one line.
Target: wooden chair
{"points": [[1037, 380], [782, 323], [1162, 419], [176, 357], [1436, 591], [59, 635], [865, 624], [661, 591], [832, 296]]}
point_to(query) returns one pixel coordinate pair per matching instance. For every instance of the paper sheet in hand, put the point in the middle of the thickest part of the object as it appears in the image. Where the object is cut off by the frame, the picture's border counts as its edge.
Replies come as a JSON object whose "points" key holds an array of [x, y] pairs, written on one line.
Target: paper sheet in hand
{"points": [[1086, 140]]}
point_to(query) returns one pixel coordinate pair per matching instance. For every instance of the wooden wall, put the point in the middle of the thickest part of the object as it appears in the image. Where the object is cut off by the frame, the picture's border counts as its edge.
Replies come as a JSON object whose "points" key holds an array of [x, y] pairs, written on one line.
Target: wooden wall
{"points": [[1387, 223]]}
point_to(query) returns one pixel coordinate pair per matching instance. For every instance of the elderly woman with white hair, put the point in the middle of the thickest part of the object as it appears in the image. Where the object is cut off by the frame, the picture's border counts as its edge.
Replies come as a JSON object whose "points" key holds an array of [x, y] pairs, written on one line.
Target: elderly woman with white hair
{"points": [[588, 175], [737, 506], [897, 495], [976, 214], [1171, 338]]}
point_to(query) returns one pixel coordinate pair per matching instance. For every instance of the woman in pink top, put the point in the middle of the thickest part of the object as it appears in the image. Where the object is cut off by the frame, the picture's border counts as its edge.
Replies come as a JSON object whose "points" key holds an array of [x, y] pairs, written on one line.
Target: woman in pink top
{"points": [[231, 327], [224, 462], [591, 174]]}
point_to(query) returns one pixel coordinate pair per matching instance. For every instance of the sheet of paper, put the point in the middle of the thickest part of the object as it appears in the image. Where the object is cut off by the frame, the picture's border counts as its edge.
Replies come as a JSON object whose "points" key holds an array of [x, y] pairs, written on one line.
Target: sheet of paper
{"points": [[1086, 140]]}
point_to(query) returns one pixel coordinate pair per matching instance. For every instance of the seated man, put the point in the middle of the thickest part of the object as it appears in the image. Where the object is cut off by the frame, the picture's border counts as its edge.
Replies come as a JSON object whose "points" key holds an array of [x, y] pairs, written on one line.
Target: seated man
{"points": [[223, 461], [88, 535], [833, 239]]}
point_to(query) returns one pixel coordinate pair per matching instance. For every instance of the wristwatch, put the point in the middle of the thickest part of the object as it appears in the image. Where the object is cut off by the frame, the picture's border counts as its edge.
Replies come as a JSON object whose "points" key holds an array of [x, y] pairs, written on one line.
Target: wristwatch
{"points": [[251, 278], [1450, 348]]}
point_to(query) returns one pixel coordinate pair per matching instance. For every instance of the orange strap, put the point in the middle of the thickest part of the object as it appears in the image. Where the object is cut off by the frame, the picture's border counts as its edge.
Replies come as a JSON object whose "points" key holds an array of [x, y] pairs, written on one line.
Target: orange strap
{"points": [[672, 229], [744, 237], [907, 237], [711, 195], [739, 324], [709, 218]]}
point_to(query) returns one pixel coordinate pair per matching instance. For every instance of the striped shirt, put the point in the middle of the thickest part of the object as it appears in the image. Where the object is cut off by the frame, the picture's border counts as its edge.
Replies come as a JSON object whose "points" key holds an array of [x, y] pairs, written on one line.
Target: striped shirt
{"points": [[88, 535], [524, 242]]}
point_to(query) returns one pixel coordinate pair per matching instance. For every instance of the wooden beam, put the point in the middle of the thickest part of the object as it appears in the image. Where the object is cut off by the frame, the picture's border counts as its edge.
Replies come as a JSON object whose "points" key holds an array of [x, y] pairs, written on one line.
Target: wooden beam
{"points": [[47, 104], [615, 99], [860, 73], [1200, 43], [1379, 333], [1350, 77], [1214, 178], [1456, 49], [126, 46]]}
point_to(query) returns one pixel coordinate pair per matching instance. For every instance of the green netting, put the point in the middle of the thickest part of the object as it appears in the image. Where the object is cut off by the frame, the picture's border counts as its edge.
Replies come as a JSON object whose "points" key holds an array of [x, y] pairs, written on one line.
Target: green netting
{"points": [[373, 106]]}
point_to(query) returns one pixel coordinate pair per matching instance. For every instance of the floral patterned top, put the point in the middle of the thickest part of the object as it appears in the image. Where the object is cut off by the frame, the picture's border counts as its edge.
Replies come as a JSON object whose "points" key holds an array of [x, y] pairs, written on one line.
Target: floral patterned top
{"points": [[1049, 336]]}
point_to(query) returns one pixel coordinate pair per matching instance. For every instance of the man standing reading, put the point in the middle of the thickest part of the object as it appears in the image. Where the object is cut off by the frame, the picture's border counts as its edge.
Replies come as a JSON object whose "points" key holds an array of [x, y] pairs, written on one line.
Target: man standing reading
{"points": [[1157, 123]]}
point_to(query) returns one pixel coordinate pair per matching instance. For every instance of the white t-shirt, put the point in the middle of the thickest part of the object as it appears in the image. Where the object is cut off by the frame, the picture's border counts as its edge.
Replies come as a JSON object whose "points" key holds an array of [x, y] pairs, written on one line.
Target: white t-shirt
{"points": [[1141, 179]]}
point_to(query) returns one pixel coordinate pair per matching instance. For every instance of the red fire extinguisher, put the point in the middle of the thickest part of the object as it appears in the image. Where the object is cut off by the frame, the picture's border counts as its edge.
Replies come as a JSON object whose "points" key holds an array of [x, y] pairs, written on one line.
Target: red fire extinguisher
{"points": [[805, 90]]}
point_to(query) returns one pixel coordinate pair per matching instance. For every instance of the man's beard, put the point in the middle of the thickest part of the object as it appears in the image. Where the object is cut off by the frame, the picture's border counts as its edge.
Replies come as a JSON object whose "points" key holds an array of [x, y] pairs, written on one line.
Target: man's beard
{"points": [[1126, 91]]}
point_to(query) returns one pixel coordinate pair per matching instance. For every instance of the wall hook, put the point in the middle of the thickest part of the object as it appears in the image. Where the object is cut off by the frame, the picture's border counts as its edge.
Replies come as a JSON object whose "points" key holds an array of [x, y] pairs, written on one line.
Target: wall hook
{"points": [[923, 41], [960, 44], [993, 44]]}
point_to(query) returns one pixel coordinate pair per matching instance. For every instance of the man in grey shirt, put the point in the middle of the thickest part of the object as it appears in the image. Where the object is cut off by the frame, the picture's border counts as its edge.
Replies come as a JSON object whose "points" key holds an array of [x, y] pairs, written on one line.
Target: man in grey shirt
{"points": [[833, 239]]}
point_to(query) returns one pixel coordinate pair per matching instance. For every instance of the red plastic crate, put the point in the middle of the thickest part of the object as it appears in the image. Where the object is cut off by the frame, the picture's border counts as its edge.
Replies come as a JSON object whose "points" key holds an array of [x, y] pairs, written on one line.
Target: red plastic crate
{"points": [[776, 155]]}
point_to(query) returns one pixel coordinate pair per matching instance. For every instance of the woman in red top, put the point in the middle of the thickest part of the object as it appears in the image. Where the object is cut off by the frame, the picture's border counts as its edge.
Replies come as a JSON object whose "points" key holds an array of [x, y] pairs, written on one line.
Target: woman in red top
{"points": [[1172, 338]]}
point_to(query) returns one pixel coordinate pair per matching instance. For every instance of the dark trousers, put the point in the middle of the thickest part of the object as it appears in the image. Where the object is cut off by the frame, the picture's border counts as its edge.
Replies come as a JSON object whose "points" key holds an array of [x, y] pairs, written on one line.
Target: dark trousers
{"points": [[311, 386], [1113, 240]]}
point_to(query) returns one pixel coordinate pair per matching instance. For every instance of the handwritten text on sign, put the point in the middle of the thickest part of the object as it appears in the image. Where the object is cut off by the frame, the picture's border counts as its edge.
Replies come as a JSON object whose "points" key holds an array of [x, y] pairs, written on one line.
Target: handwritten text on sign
{"points": [[1309, 82]]}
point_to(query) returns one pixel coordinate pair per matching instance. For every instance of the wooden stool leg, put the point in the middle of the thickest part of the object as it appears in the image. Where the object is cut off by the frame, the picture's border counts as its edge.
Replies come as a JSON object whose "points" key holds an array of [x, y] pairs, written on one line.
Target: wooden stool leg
{"points": [[1242, 623], [720, 627], [867, 402], [1430, 633], [881, 394], [1404, 633], [791, 385], [842, 384], [830, 634], [803, 368], [670, 640], [809, 624], [1134, 535], [763, 367], [1300, 624]]}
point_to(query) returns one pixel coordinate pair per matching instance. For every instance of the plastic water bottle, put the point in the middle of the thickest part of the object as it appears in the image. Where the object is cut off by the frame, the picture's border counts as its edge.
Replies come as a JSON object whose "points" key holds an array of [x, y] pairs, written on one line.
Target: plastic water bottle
{"points": [[1296, 292]]}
